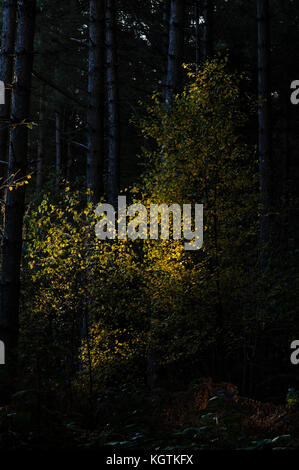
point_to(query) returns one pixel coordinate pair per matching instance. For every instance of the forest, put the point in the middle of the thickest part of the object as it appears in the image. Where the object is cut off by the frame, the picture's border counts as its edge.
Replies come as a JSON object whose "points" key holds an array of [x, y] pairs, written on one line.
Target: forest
{"points": [[116, 334]]}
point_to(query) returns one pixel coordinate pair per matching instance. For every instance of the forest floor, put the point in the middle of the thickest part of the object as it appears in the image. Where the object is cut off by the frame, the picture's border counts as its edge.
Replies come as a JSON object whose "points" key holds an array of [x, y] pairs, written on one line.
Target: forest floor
{"points": [[205, 416]]}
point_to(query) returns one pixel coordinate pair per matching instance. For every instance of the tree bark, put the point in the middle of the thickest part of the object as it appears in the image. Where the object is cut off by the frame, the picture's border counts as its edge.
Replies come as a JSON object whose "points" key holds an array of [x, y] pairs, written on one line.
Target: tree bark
{"points": [[41, 142], [264, 124], [208, 29], [197, 33], [95, 114], [70, 116], [113, 103], [175, 49], [15, 200], [6, 73], [58, 148], [165, 43]]}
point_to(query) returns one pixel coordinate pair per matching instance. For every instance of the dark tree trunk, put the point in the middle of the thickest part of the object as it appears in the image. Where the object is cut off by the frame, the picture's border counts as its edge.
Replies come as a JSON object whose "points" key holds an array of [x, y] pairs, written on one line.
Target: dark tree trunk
{"points": [[264, 124], [208, 29], [69, 118], [15, 200], [69, 162], [41, 142], [6, 73], [95, 115], [287, 148], [165, 42], [197, 32], [284, 221], [175, 49], [113, 103], [58, 148]]}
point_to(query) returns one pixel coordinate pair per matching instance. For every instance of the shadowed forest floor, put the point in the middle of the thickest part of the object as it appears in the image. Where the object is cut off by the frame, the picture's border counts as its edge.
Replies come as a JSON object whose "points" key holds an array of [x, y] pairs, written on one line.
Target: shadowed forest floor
{"points": [[206, 416]]}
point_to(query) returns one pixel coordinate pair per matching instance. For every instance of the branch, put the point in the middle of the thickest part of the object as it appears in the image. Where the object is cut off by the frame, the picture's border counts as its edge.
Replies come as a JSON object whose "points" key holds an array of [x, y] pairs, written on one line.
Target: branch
{"points": [[80, 145], [57, 88]]}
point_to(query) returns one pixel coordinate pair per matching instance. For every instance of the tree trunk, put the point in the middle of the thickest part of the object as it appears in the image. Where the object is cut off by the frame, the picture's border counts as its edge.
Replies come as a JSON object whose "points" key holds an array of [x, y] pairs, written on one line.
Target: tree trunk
{"points": [[6, 73], [208, 29], [264, 124], [175, 49], [113, 103], [41, 142], [70, 116], [165, 43], [58, 148], [15, 200], [95, 115], [197, 33]]}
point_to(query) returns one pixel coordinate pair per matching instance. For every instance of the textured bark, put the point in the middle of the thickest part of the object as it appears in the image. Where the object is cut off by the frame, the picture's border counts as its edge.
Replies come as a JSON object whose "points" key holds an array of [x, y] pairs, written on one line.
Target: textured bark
{"points": [[208, 29], [41, 142], [165, 42], [95, 114], [6, 72], [197, 32], [58, 147], [287, 147], [284, 223], [175, 49], [15, 200], [69, 150], [113, 102], [264, 124], [69, 162]]}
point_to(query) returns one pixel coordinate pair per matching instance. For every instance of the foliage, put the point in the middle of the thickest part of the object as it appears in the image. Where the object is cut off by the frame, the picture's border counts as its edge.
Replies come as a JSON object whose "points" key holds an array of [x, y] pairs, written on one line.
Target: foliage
{"points": [[96, 314], [123, 298]]}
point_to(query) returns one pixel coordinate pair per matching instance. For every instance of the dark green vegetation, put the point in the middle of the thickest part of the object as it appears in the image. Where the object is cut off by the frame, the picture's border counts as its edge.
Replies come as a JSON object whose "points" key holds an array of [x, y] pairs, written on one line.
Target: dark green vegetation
{"points": [[111, 343]]}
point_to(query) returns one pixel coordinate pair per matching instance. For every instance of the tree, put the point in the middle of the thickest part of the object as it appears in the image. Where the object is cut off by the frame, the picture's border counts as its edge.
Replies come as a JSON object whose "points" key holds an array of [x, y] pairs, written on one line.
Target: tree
{"points": [[58, 140], [175, 49], [197, 32], [95, 115], [6, 70], [264, 124], [203, 159], [113, 102], [208, 15], [15, 200], [165, 42], [41, 141]]}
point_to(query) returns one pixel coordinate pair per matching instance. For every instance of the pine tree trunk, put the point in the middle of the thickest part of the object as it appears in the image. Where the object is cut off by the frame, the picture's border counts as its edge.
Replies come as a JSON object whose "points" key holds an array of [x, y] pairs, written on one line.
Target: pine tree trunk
{"points": [[208, 29], [69, 162], [175, 49], [165, 43], [58, 148], [264, 123], [287, 148], [6, 73], [197, 33], [15, 200], [113, 103], [41, 142], [95, 115], [284, 221], [69, 150]]}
